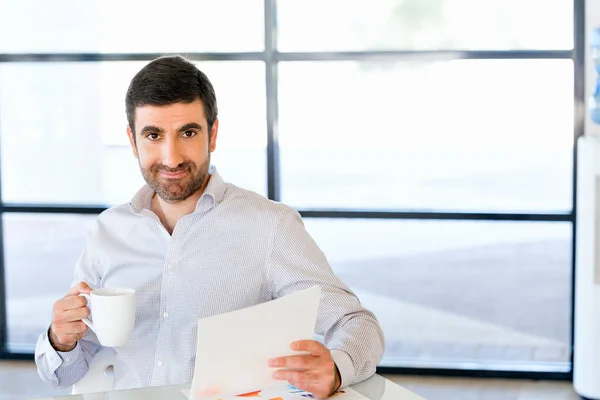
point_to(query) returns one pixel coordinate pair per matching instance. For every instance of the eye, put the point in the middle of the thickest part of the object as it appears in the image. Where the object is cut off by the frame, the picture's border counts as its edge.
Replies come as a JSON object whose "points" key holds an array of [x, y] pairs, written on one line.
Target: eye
{"points": [[153, 136], [189, 134]]}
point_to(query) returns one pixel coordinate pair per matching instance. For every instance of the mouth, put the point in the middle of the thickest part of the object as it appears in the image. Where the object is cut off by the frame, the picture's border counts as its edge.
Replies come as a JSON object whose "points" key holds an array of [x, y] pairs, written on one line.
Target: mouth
{"points": [[172, 175]]}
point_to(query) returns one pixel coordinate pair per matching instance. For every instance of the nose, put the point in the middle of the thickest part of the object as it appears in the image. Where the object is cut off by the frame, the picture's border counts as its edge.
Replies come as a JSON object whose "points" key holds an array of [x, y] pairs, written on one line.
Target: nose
{"points": [[171, 155]]}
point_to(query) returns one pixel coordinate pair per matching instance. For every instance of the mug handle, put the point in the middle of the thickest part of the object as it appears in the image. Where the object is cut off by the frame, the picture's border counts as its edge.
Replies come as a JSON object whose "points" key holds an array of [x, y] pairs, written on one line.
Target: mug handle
{"points": [[88, 321]]}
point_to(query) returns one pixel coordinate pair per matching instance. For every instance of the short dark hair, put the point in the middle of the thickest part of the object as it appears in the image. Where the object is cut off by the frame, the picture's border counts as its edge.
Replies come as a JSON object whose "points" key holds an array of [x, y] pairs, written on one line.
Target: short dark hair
{"points": [[167, 80]]}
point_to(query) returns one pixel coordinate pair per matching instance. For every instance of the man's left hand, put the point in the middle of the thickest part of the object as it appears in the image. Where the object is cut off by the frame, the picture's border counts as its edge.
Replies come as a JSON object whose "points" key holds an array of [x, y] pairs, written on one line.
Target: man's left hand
{"points": [[315, 372]]}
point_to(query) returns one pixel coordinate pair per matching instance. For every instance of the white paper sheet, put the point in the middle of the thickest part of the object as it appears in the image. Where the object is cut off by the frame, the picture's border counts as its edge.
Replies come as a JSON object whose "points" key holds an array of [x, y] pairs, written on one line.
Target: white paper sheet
{"points": [[233, 349]]}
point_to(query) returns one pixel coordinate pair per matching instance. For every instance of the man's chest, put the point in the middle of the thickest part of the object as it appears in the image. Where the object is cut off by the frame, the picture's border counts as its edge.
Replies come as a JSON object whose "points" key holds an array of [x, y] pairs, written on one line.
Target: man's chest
{"points": [[204, 272]]}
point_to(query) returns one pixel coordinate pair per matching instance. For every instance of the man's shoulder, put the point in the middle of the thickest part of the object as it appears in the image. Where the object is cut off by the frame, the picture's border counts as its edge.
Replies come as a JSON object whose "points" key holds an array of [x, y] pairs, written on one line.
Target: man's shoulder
{"points": [[115, 213], [248, 201], [111, 219]]}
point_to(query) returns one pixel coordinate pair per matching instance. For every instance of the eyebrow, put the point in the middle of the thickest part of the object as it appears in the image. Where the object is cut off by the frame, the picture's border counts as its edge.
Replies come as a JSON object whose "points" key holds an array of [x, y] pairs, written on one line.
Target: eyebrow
{"points": [[151, 128], [191, 125]]}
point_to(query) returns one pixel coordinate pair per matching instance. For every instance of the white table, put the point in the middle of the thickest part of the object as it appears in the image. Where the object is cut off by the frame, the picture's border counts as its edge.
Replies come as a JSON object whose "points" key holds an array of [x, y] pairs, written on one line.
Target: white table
{"points": [[374, 388]]}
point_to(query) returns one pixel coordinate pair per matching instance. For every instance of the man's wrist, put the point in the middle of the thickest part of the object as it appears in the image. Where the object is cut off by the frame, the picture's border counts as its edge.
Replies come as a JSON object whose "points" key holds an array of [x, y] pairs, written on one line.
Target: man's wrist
{"points": [[53, 339], [337, 380]]}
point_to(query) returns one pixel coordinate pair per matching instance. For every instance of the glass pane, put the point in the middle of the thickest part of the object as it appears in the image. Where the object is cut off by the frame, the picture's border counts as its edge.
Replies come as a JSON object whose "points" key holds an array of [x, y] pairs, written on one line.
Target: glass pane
{"points": [[451, 293], [424, 25], [133, 26], [63, 130], [44, 246], [472, 135]]}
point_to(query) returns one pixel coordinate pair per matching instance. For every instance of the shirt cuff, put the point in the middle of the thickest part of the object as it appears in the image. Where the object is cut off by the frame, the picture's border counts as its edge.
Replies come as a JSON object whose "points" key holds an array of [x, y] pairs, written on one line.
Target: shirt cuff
{"points": [[69, 357], [44, 348], [344, 364], [58, 358]]}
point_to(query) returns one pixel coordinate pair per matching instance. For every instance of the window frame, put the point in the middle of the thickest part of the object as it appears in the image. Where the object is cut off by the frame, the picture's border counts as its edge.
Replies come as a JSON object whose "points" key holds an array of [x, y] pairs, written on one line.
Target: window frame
{"points": [[271, 58]]}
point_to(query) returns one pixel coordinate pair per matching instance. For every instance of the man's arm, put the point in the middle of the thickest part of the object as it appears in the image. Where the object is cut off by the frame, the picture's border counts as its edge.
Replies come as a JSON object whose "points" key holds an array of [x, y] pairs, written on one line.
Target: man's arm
{"points": [[351, 332], [62, 354]]}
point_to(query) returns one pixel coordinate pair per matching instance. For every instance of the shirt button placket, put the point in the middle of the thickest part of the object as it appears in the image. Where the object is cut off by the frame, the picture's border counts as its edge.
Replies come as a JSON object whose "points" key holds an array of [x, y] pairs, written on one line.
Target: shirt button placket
{"points": [[162, 340]]}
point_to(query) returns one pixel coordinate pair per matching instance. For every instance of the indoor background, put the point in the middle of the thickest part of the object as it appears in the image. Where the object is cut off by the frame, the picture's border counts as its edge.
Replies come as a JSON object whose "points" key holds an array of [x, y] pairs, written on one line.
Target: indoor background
{"points": [[429, 146]]}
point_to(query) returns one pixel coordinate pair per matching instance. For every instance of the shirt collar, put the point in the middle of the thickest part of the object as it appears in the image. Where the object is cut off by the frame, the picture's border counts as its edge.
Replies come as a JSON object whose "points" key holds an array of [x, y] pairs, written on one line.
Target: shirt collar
{"points": [[213, 194]]}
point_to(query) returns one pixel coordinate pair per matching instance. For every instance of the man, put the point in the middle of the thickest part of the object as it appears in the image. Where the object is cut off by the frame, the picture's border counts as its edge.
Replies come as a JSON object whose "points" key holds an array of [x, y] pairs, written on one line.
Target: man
{"points": [[193, 246]]}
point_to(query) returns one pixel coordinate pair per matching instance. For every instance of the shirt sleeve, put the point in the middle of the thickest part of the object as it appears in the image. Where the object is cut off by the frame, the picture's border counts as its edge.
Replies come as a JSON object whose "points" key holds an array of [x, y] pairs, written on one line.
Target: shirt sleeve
{"points": [[350, 331], [62, 369]]}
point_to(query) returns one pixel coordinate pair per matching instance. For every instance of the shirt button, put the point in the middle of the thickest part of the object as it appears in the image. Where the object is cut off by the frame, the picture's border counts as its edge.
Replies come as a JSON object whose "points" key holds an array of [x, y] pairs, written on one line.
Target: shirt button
{"points": [[166, 314], [159, 363]]}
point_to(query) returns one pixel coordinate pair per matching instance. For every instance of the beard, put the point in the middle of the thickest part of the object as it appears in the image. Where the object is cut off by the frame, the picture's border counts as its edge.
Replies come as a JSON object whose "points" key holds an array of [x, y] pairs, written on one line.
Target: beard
{"points": [[175, 190]]}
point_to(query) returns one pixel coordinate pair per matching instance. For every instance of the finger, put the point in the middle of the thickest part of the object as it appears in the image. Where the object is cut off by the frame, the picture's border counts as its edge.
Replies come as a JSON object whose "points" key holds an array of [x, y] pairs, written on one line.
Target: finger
{"points": [[70, 303], [312, 346], [79, 288], [296, 376], [69, 338], [74, 328], [295, 362], [71, 328], [74, 315]]}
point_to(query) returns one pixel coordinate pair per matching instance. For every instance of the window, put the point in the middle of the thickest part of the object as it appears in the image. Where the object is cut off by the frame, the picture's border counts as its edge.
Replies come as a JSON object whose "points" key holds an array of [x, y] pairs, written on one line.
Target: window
{"points": [[428, 145], [337, 25], [453, 293], [112, 26], [443, 136], [40, 252]]}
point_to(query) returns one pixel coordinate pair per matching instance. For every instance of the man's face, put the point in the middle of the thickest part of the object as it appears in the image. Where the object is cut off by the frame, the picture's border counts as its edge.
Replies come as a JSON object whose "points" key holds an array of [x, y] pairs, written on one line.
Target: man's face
{"points": [[173, 148]]}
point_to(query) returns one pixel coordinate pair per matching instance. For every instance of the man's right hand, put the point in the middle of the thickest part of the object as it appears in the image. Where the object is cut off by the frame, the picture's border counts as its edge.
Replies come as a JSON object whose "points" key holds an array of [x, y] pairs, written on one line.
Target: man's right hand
{"points": [[67, 314]]}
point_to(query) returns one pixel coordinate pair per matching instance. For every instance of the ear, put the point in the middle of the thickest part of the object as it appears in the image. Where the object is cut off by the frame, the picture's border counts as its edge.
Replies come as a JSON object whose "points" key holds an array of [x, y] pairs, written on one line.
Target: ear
{"points": [[214, 132], [132, 141]]}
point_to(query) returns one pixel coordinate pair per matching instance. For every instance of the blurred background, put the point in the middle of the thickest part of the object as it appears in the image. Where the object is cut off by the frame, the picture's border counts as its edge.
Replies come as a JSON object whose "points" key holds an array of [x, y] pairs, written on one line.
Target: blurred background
{"points": [[428, 145]]}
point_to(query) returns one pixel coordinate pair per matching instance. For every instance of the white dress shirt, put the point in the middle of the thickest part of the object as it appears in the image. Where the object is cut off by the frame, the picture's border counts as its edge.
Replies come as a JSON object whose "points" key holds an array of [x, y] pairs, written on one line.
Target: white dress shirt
{"points": [[237, 249]]}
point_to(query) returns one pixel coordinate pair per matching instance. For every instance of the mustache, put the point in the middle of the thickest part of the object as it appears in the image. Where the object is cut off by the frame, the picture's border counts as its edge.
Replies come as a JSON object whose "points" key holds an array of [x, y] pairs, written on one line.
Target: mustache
{"points": [[185, 166]]}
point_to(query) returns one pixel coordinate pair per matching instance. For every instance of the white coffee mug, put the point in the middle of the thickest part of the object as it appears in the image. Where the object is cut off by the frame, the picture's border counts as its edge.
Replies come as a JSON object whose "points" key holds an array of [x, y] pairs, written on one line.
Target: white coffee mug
{"points": [[113, 315]]}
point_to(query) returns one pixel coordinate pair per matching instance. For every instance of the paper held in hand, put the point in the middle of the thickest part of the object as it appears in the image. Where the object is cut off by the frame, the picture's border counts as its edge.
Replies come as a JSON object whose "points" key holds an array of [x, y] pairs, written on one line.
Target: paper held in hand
{"points": [[233, 349]]}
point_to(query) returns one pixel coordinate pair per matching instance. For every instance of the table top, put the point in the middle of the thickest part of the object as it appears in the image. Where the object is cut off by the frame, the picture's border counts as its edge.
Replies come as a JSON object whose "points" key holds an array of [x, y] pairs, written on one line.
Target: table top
{"points": [[374, 388]]}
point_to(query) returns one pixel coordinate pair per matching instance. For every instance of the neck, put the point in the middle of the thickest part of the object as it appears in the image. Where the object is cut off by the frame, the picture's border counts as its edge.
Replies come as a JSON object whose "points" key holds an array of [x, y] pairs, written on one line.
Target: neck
{"points": [[170, 212]]}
